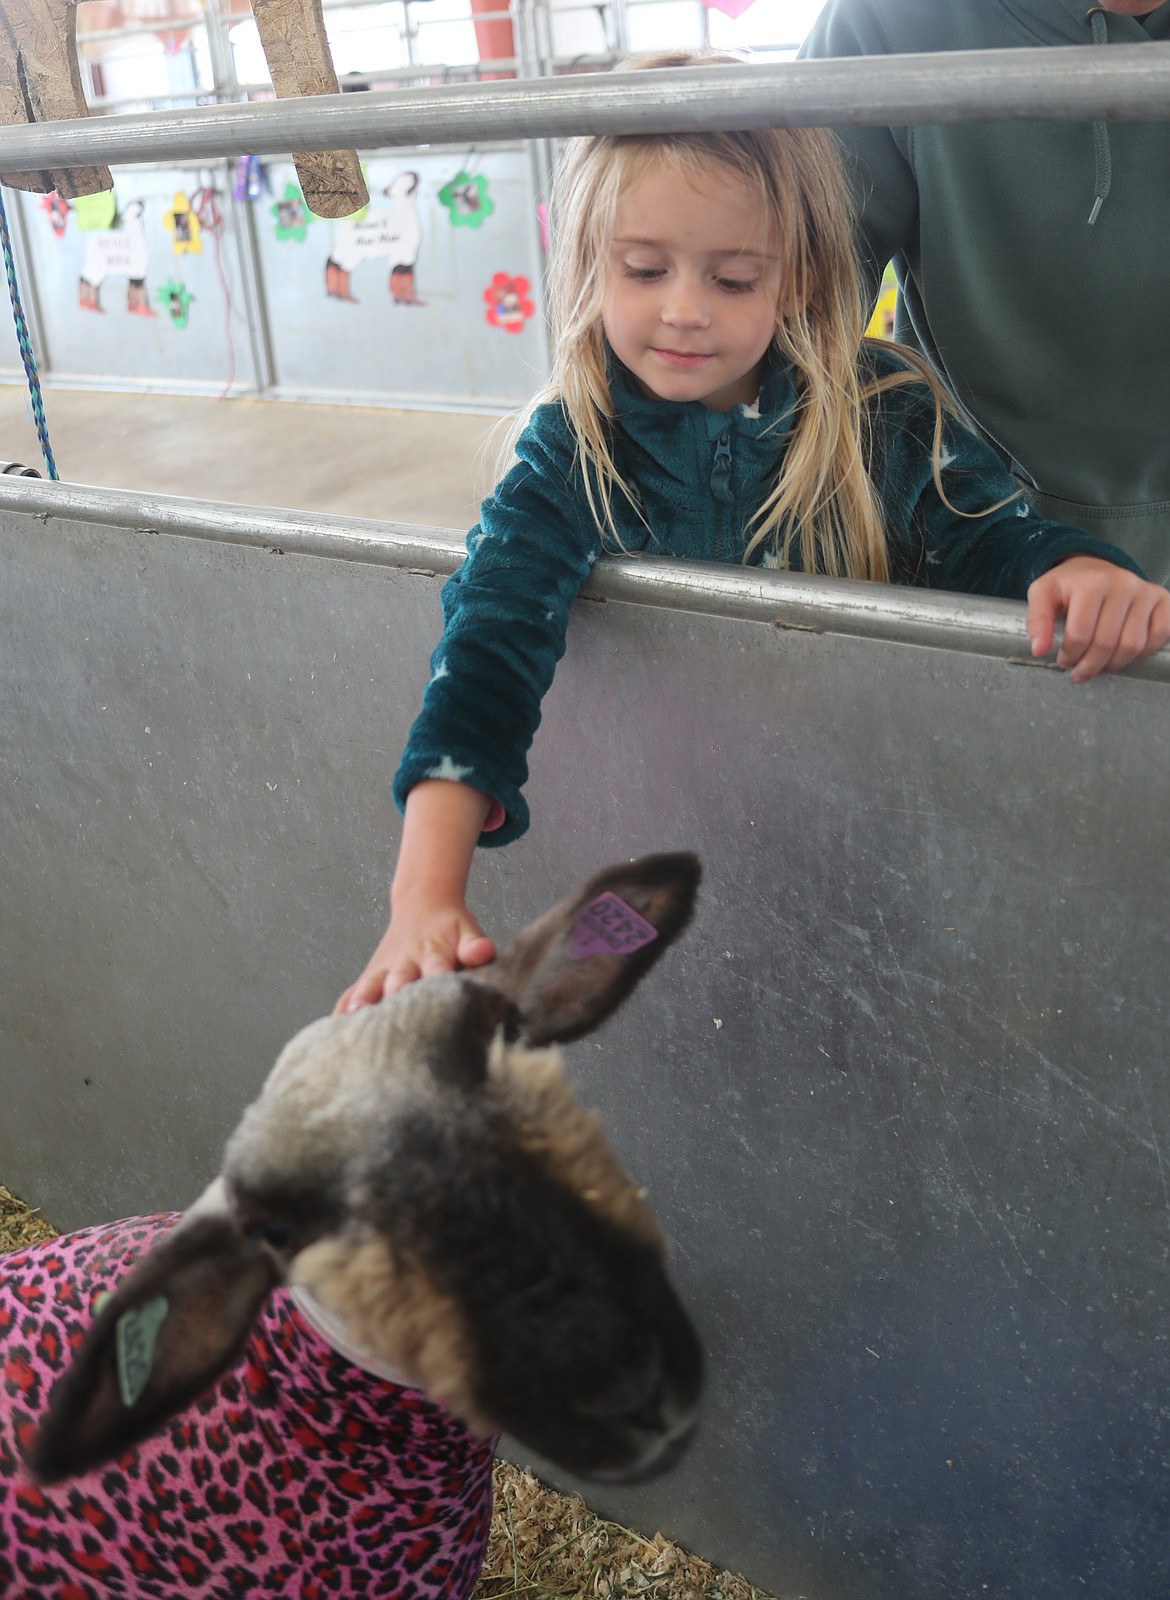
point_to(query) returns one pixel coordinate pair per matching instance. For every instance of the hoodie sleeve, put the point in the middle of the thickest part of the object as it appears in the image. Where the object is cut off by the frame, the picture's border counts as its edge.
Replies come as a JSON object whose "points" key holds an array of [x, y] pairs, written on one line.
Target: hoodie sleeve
{"points": [[876, 160], [988, 539], [506, 614]]}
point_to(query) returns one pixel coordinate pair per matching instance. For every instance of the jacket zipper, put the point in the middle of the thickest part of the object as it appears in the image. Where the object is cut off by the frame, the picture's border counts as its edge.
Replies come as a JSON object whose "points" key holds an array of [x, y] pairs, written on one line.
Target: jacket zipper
{"points": [[721, 486]]}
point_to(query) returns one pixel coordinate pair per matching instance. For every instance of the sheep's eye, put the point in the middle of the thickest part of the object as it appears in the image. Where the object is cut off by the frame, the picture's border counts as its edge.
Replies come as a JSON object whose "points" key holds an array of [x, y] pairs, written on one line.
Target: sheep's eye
{"points": [[277, 1235]]}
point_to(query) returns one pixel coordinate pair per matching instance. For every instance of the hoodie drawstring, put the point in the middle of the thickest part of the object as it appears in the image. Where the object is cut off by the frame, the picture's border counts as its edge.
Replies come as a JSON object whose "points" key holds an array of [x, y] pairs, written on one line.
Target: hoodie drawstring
{"points": [[1102, 155]]}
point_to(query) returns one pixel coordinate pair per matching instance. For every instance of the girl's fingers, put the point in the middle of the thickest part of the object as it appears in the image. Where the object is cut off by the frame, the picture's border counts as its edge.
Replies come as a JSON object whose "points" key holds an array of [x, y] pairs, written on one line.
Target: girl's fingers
{"points": [[1091, 630], [1043, 604], [435, 958], [367, 991], [476, 950], [406, 971], [1137, 637], [1159, 625]]}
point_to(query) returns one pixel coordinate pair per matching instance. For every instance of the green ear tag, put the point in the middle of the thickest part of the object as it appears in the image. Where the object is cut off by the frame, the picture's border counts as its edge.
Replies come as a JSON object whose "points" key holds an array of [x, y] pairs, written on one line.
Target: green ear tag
{"points": [[134, 1337]]}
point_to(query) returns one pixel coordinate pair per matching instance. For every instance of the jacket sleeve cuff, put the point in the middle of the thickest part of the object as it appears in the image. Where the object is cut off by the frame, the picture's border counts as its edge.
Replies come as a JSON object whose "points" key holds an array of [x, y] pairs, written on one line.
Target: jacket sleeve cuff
{"points": [[507, 817], [1078, 543]]}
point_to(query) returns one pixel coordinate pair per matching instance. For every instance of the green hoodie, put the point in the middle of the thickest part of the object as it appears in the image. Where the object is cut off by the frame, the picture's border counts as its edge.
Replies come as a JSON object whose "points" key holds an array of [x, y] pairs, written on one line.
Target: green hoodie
{"points": [[700, 477], [1053, 333]]}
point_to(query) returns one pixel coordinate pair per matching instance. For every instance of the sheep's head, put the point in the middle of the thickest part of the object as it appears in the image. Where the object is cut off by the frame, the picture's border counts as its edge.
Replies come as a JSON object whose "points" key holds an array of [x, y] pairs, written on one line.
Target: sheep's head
{"points": [[420, 1170]]}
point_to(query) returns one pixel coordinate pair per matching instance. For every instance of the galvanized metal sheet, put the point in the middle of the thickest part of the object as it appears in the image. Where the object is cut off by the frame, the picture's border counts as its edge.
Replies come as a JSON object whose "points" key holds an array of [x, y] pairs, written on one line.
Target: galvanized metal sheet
{"points": [[900, 1096]]}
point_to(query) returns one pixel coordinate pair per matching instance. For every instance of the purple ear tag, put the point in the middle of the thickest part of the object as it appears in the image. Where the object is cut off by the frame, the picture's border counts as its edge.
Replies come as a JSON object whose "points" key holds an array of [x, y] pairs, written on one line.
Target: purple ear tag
{"points": [[608, 927]]}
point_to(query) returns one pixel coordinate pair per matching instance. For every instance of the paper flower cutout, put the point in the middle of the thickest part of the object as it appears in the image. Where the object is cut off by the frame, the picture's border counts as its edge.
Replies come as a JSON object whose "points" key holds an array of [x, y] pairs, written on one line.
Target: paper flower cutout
{"points": [[466, 200], [183, 226], [292, 215], [175, 298], [508, 305]]}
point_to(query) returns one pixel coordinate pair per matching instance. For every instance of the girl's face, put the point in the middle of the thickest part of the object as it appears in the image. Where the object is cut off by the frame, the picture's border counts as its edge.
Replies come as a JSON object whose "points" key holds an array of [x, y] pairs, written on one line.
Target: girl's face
{"points": [[691, 287]]}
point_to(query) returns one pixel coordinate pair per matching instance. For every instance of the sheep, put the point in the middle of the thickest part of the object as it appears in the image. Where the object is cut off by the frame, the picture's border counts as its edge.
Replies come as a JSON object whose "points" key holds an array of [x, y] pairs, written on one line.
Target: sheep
{"points": [[417, 1240], [110, 252]]}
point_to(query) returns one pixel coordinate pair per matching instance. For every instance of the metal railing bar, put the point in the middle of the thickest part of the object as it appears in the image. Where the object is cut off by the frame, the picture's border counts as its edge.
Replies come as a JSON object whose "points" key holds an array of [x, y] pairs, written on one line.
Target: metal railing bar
{"points": [[968, 623], [1061, 84]]}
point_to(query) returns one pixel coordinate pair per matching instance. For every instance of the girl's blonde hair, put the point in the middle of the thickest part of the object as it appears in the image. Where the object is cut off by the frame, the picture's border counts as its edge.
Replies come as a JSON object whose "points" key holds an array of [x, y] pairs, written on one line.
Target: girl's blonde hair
{"points": [[824, 502]]}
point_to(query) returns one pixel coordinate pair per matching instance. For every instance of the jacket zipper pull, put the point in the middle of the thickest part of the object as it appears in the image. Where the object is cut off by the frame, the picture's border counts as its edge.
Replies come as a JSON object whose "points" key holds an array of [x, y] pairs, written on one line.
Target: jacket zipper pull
{"points": [[721, 472]]}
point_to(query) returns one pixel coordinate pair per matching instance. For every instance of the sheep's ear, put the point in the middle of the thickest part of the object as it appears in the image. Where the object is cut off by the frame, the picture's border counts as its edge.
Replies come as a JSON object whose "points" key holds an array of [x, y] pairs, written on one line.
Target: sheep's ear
{"points": [[568, 970], [458, 1050], [175, 1322]]}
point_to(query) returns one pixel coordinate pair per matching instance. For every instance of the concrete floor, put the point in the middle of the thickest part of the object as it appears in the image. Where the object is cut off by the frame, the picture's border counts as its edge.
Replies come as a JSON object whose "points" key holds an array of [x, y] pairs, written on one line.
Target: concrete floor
{"points": [[401, 466]]}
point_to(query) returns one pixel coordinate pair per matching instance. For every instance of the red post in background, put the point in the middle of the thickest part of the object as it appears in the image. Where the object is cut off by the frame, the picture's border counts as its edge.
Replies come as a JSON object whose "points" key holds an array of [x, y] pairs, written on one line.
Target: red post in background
{"points": [[494, 38]]}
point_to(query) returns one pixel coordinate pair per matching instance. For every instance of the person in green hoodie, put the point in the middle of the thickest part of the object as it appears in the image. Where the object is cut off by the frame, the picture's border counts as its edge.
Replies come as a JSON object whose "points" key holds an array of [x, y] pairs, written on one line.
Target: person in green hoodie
{"points": [[1033, 261], [711, 399]]}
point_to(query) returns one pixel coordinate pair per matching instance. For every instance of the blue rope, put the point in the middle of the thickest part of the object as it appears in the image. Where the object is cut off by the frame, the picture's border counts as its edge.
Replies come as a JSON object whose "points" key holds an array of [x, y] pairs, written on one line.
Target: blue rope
{"points": [[26, 349]]}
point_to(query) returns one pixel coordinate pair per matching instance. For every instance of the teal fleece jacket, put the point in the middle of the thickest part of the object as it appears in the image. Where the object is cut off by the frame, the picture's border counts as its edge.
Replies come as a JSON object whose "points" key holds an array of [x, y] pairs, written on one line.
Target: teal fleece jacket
{"points": [[1054, 334], [699, 476]]}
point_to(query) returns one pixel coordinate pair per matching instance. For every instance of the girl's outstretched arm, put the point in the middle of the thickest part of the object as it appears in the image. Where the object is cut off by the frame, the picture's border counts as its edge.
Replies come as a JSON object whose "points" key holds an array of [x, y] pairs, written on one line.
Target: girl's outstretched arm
{"points": [[1111, 616], [431, 929]]}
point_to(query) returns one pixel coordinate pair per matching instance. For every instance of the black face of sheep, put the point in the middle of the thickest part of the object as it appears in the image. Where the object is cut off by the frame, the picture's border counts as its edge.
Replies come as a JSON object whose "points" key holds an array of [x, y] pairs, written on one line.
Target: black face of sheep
{"points": [[420, 1174]]}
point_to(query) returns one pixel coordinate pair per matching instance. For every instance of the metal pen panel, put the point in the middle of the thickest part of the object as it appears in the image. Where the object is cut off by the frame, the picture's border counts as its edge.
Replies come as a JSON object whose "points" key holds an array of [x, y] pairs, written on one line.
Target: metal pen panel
{"points": [[898, 1096]]}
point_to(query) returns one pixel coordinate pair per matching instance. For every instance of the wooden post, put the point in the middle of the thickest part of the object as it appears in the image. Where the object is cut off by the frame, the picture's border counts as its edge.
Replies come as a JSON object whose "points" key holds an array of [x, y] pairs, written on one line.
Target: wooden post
{"points": [[292, 33], [40, 81]]}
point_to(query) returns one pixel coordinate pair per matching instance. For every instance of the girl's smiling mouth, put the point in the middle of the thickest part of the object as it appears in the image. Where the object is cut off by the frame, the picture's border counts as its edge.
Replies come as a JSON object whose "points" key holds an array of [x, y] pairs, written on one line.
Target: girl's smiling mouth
{"points": [[682, 358]]}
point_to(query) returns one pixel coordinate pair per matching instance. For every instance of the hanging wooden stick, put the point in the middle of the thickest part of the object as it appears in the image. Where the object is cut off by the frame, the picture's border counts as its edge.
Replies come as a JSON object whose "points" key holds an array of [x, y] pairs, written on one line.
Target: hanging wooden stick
{"points": [[40, 81], [292, 34]]}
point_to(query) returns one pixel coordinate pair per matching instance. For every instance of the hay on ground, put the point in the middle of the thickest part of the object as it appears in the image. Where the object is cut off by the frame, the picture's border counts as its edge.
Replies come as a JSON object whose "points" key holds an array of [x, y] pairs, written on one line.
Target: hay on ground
{"points": [[550, 1546], [20, 1225]]}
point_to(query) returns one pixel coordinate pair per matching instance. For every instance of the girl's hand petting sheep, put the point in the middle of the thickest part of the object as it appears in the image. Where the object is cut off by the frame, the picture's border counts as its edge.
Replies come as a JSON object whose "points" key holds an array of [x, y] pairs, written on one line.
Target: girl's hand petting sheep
{"points": [[423, 938], [431, 930], [1111, 616]]}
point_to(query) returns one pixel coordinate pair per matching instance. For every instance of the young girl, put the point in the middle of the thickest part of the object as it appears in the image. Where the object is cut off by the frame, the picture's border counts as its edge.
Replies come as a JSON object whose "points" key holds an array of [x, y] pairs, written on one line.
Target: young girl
{"points": [[712, 398]]}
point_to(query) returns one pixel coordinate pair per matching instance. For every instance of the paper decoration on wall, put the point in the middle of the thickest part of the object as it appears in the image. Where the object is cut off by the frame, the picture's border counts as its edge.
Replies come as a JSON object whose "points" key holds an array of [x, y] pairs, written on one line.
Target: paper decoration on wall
{"points": [[175, 298], [117, 253], [57, 211], [466, 200], [881, 324], [729, 8], [94, 211], [292, 215], [508, 305], [392, 234], [183, 226]]}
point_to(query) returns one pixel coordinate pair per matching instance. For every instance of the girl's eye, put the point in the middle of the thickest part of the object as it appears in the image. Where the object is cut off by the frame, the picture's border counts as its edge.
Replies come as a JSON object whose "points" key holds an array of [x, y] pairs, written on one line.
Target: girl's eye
{"points": [[643, 274], [736, 285]]}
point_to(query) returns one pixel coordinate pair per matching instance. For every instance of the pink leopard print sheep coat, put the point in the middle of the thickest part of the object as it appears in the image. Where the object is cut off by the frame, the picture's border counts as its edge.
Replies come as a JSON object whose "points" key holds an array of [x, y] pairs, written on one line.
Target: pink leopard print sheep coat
{"points": [[297, 1477]]}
